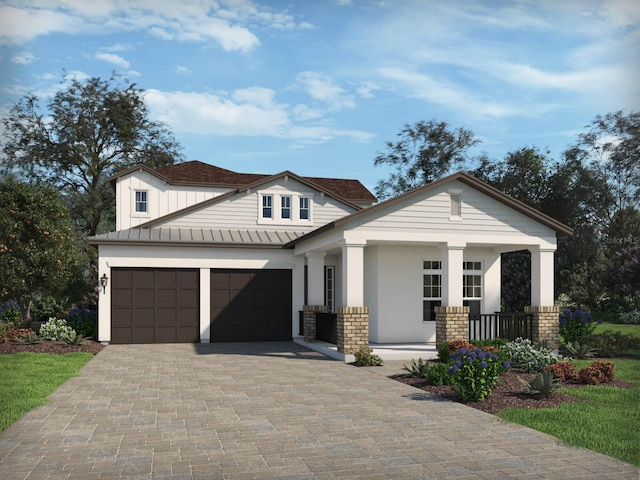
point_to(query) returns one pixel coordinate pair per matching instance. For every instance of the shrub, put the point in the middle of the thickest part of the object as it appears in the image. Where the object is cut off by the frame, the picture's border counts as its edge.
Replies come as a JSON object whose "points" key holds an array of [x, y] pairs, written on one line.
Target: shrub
{"points": [[475, 372], [73, 338], [10, 313], [580, 350], [612, 344], [437, 375], [632, 317], [523, 354], [447, 348], [598, 372], [576, 324], [83, 321], [46, 307], [542, 385], [10, 333], [29, 338], [417, 369], [55, 328], [366, 358], [564, 371]]}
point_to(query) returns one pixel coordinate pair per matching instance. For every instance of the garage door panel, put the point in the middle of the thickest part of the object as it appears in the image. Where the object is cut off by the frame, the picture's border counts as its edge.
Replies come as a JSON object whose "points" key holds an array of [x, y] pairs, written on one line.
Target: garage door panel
{"points": [[155, 305], [250, 305]]}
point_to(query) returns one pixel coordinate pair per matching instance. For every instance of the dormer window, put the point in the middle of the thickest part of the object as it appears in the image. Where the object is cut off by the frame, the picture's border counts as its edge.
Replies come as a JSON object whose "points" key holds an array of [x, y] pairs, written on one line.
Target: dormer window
{"points": [[267, 206], [141, 201], [304, 208], [285, 212]]}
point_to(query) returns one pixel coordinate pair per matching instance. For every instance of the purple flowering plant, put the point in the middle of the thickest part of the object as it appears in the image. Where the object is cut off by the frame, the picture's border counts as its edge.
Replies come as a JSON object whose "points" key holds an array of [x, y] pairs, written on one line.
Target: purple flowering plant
{"points": [[10, 312], [576, 324], [475, 372], [83, 321]]}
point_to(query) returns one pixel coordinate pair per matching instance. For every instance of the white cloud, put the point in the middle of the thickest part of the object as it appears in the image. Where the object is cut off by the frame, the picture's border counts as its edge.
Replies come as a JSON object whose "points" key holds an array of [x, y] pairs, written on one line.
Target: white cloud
{"points": [[322, 89], [113, 59], [365, 89], [251, 111], [181, 69], [23, 58]]}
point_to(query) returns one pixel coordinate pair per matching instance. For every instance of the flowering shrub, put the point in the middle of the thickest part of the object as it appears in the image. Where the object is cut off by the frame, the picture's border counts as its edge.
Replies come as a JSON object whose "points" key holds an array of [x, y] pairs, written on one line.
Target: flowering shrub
{"points": [[597, 372], [10, 312], [475, 373], [632, 316], [56, 329], [524, 355], [83, 321], [447, 348], [566, 372], [576, 324], [437, 375], [10, 333]]}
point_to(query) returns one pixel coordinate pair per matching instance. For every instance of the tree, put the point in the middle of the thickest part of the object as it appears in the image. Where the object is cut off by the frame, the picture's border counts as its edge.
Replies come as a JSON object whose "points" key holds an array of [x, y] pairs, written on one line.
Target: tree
{"points": [[425, 151], [89, 131], [39, 249], [612, 147]]}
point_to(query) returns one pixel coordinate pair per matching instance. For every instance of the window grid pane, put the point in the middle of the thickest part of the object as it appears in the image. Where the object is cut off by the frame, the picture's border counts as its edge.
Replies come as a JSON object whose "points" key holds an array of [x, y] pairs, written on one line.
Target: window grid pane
{"points": [[141, 201], [266, 206], [304, 208]]}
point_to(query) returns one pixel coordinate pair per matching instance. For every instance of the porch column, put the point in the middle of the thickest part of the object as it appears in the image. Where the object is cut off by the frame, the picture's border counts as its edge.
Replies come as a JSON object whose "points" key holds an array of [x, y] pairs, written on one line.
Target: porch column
{"points": [[542, 273], [545, 315], [315, 277], [452, 318], [353, 316]]}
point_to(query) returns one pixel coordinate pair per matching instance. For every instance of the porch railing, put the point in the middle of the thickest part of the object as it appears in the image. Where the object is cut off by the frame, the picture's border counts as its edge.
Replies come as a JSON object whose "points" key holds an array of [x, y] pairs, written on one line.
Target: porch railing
{"points": [[326, 327], [508, 325]]}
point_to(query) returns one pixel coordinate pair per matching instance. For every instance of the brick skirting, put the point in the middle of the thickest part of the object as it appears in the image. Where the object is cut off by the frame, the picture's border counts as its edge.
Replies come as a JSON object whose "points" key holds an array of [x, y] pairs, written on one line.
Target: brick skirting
{"points": [[353, 329]]}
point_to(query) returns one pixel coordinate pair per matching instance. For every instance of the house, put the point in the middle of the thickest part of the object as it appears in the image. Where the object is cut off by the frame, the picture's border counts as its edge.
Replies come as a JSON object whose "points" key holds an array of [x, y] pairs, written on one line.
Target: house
{"points": [[205, 254]]}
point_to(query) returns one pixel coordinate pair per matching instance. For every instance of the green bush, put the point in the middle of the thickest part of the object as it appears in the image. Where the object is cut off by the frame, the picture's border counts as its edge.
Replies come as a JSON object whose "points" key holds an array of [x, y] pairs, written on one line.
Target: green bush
{"points": [[366, 358], [475, 372], [47, 307], [417, 369], [576, 324], [631, 317], [542, 385], [10, 313], [437, 375], [447, 348], [525, 355], [612, 344], [84, 322]]}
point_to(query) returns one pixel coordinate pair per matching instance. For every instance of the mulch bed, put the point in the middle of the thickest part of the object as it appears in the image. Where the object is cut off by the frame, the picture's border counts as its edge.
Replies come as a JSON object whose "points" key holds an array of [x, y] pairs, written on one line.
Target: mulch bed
{"points": [[508, 392], [47, 346]]}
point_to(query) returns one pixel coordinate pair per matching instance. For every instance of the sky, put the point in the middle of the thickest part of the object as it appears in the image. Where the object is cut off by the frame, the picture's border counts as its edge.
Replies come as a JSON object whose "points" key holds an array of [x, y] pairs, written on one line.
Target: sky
{"points": [[318, 87]]}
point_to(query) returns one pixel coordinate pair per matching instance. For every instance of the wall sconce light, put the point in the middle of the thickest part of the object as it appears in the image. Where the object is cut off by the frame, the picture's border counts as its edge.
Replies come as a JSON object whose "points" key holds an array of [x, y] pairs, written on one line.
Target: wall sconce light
{"points": [[104, 280]]}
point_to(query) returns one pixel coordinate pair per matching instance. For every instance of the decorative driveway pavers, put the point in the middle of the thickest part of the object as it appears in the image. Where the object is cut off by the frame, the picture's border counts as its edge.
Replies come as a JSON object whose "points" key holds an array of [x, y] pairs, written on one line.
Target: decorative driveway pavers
{"points": [[269, 410]]}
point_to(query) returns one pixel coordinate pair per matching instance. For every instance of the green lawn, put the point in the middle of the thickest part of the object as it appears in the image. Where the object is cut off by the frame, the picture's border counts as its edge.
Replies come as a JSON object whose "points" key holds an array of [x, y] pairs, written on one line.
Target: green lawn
{"points": [[606, 421], [28, 378], [627, 328]]}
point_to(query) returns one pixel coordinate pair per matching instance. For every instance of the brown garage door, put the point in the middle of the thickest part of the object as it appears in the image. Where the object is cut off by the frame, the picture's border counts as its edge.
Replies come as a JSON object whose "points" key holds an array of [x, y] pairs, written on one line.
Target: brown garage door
{"points": [[155, 305], [250, 305]]}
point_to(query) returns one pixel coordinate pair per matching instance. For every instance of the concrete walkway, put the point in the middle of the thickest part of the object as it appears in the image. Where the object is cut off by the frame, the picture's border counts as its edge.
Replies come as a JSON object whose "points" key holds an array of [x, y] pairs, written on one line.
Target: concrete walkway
{"points": [[269, 411]]}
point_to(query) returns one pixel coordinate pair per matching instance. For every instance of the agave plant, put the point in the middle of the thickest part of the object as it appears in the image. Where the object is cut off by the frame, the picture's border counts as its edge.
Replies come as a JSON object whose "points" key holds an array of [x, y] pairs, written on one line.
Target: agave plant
{"points": [[31, 338], [542, 385], [417, 369], [73, 338], [580, 350]]}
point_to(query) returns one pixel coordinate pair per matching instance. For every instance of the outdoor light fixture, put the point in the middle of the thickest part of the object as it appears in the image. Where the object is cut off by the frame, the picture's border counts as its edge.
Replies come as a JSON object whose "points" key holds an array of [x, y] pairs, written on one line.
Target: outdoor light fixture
{"points": [[104, 280]]}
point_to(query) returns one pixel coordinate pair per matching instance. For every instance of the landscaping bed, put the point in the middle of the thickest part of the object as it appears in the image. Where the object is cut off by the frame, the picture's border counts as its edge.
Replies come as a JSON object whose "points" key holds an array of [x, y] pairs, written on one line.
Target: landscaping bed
{"points": [[48, 346], [508, 393]]}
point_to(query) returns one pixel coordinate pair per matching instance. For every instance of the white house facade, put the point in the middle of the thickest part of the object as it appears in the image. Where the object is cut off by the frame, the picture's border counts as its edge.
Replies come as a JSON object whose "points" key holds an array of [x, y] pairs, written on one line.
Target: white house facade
{"points": [[203, 254]]}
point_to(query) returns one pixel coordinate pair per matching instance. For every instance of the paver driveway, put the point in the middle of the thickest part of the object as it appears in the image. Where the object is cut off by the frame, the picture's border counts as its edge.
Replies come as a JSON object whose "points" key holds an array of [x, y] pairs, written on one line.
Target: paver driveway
{"points": [[269, 410]]}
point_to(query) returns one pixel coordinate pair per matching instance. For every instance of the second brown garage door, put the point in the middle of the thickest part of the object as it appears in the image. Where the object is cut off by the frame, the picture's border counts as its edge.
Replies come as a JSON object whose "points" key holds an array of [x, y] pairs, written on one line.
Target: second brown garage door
{"points": [[155, 305], [250, 305]]}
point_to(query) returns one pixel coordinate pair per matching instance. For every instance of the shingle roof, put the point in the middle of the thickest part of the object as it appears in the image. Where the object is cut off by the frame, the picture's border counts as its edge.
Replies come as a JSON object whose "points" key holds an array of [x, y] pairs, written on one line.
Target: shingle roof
{"points": [[200, 173]]}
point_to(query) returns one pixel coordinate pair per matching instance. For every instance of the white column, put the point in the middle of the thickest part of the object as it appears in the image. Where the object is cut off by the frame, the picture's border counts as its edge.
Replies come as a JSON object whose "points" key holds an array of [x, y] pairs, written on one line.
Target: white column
{"points": [[104, 304], [452, 257], [542, 276], [353, 274], [315, 278], [205, 305]]}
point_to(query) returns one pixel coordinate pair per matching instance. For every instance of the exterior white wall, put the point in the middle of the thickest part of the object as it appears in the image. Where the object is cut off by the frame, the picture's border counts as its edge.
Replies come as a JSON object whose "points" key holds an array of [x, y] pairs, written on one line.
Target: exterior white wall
{"points": [[244, 209], [111, 256], [162, 198]]}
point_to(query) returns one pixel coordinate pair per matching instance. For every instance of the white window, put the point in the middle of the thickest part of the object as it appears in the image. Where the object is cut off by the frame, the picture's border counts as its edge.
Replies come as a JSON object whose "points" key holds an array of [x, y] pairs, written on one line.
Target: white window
{"points": [[304, 208], [267, 206], [285, 204], [141, 201], [472, 286], [329, 286], [431, 289]]}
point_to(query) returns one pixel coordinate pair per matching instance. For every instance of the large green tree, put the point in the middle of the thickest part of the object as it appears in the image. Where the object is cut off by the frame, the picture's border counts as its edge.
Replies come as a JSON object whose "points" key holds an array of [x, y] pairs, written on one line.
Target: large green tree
{"points": [[40, 253], [424, 152], [88, 131]]}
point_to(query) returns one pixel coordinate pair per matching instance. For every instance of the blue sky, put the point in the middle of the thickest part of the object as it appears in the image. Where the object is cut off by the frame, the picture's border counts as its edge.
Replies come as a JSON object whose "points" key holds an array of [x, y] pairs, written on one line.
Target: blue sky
{"points": [[317, 87]]}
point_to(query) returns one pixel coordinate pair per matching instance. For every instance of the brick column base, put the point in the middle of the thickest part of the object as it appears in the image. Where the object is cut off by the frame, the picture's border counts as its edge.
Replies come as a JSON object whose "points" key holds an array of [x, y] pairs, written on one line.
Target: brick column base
{"points": [[546, 324], [452, 323], [309, 320], [352, 329]]}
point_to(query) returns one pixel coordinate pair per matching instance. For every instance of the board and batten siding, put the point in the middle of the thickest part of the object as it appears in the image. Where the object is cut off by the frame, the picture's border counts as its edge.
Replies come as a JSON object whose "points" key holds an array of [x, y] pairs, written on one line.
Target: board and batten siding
{"points": [[162, 198], [481, 214], [242, 210]]}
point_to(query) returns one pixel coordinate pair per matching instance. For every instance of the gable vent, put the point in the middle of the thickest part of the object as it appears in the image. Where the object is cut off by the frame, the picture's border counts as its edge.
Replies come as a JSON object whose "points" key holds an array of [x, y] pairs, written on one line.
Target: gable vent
{"points": [[456, 205]]}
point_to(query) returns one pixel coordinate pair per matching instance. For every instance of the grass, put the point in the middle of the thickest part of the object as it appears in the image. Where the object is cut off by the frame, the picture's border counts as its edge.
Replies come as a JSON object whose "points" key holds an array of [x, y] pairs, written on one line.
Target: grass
{"points": [[627, 328], [606, 421], [28, 378]]}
